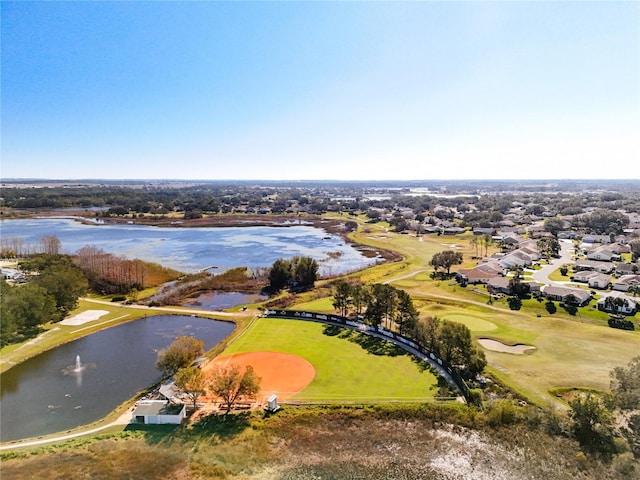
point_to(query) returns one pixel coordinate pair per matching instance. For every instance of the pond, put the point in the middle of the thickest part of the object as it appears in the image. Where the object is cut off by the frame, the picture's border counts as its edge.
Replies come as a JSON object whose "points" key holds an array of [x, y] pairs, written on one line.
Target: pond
{"points": [[46, 394], [223, 300], [192, 249]]}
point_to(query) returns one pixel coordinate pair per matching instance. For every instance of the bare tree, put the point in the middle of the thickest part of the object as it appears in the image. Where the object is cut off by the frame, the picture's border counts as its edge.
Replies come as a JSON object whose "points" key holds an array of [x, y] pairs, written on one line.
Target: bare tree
{"points": [[51, 245]]}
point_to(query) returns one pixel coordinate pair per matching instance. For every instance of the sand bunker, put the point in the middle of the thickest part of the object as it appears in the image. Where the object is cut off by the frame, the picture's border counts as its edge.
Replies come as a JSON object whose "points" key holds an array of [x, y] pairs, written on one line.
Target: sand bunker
{"points": [[494, 345], [281, 373], [84, 317]]}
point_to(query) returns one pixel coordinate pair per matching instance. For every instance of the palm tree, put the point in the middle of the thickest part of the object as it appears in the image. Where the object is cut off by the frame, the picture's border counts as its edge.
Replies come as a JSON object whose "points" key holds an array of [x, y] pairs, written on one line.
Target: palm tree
{"points": [[475, 242], [486, 241]]}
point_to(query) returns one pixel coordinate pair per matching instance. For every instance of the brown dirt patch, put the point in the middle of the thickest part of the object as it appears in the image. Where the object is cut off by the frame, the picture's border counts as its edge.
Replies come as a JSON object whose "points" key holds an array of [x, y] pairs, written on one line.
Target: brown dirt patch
{"points": [[281, 373]]}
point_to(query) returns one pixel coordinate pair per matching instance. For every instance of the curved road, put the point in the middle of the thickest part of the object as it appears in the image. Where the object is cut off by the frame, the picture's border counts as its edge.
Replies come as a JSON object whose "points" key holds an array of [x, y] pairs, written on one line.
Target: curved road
{"points": [[542, 275]]}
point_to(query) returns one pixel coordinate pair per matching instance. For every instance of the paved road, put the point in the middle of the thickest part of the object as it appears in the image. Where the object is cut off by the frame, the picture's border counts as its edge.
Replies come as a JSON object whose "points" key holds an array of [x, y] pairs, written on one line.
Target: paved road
{"points": [[542, 275]]}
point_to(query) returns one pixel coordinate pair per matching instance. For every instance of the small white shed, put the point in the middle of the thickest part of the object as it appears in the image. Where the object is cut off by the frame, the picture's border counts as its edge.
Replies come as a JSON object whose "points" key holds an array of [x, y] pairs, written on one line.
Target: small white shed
{"points": [[158, 412]]}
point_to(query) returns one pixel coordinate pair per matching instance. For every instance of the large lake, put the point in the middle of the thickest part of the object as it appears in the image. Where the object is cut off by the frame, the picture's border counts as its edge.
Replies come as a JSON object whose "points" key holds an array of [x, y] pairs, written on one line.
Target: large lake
{"points": [[45, 395], [192, 249]]}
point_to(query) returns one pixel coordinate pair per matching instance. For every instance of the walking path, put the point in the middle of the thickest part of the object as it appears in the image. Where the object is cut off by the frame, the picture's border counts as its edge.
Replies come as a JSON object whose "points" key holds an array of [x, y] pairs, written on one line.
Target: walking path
{"points": [[166, 309], [123, 419]]}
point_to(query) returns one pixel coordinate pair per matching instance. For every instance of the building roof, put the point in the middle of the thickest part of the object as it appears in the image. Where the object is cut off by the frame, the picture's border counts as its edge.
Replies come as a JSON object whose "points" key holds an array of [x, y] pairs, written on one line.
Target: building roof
{"points": [[477, 273], [580, 294], [629, 280], [157, 408]]}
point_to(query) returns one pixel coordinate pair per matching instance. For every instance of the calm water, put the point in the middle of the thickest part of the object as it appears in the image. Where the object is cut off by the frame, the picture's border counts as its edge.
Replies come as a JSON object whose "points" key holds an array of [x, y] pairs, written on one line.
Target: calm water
{"points": [[223, 300], [191, 249], [43, 395]]}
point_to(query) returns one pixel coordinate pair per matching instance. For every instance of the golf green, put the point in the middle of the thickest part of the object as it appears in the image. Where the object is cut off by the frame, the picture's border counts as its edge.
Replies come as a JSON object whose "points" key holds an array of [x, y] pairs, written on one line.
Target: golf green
{"points": [[474, 324]]}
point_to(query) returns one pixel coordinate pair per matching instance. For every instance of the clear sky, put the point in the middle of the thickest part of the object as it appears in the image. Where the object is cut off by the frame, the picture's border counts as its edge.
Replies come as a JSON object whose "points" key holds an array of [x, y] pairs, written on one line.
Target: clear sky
{"points": [[320, 90]]}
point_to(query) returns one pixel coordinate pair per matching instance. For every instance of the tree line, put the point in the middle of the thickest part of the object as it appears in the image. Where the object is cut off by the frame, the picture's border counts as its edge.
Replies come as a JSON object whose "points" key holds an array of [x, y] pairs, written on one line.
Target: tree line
{"points": [[55, 286], [384, 305], [55, 282]]}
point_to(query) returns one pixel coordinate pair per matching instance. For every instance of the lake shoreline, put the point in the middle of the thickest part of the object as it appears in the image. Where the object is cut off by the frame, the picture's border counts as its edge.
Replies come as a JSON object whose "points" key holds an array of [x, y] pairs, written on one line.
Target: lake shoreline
{"points": [[332, 226]]}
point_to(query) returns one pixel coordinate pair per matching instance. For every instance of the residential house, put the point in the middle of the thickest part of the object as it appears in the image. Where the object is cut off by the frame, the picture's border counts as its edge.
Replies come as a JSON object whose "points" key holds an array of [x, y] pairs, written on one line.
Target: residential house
{"points": [[533, 253], [603, 254], [625, 282], [596, 239], [517, 258], [499, 285], [619, 248], [492, 265], [475, 275], [621, 304], [483, 231], [453, 230], [567, 235], [507, 239], [626, 269], [594, 279], [561, 294], [593, 265]]}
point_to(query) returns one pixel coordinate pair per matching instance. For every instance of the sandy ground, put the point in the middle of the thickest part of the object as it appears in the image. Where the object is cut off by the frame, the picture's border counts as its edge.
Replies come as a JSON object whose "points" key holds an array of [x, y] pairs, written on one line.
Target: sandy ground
{"points": [[501, 347], [84, 317], [281, 373]]}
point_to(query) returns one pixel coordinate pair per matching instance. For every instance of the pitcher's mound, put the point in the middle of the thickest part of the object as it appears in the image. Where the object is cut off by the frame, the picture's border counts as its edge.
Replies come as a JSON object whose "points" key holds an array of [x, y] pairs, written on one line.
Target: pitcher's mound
{"points": [[281, 373]]}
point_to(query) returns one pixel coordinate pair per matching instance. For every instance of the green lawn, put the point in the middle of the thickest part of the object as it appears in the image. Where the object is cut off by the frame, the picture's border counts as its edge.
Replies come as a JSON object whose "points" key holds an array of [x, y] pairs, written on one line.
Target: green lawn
{"points": [[569, 353], [350, 366]]}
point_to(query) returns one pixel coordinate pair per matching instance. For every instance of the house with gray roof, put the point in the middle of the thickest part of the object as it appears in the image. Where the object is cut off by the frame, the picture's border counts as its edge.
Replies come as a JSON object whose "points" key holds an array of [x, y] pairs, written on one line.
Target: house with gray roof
{"points": [[594, 279], [625, 282], [499, 285], [596, 239], [624, 304], [603, 254], [593, 265], [627, 269], [561, 294]]}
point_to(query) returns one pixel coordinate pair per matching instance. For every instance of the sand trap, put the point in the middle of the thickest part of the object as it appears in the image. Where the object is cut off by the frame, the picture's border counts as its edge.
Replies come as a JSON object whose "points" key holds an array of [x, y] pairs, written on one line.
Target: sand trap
{"points": [[281, 373], [84, 317], [494, 345]]}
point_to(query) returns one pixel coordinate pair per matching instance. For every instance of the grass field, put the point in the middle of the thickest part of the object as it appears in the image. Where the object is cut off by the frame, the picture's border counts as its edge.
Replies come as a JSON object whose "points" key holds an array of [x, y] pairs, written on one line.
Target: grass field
{"points": [[571, 351], [350, 366]]}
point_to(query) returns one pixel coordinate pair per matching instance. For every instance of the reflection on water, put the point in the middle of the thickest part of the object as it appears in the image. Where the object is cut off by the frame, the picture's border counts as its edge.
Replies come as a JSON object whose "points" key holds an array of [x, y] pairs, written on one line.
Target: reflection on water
{"points": [[223, 300], [193, 249]]}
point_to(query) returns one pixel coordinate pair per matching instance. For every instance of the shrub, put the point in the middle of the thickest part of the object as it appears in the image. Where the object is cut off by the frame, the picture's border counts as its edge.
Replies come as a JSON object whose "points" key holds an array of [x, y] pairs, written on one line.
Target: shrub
{"points": [[551, 307]]}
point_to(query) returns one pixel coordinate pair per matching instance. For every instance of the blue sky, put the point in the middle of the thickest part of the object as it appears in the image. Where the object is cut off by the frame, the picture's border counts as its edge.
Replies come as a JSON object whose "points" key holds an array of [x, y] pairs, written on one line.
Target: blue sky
{"points": [[320, 90]]}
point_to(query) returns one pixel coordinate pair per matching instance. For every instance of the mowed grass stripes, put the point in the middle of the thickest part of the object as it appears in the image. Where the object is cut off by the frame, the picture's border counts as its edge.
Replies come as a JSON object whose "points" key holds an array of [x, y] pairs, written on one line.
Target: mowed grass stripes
{"points": [[350, 366]]}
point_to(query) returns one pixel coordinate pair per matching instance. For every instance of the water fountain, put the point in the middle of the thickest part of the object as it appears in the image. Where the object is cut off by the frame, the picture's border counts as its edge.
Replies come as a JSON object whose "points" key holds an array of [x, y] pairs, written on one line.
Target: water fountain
{"points": [[78, 364]]}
